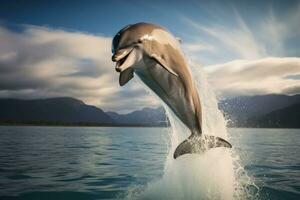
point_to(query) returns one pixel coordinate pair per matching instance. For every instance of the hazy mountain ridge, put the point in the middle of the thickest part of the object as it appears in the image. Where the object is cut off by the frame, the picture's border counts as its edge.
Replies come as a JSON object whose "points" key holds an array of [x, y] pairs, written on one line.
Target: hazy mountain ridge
{"points": [[154, 116], [246, 111], [256, 111], [67, 110], [288, 117], [63, 109]]}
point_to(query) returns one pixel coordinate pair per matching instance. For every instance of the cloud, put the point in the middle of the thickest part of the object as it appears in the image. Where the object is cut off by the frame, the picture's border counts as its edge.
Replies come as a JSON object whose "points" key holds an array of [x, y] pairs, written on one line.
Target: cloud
{"points": [[254, 77], [231, 37], [255, 57], [236, 39], [41, 62], [189, 47]]}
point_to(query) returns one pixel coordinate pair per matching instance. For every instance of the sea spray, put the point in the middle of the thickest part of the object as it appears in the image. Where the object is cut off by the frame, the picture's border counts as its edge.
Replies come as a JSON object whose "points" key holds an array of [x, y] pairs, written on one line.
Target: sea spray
{"points": [[215, 124], [215, 174]]}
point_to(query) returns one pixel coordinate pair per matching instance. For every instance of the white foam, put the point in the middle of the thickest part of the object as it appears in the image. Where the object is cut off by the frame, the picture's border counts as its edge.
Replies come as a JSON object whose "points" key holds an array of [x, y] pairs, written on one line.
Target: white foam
{"points": [[216, 174]]}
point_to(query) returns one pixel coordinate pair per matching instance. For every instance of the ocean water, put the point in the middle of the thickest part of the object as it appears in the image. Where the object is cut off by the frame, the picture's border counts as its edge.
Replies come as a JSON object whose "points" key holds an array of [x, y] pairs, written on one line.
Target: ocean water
{"points": [[116, 163]]}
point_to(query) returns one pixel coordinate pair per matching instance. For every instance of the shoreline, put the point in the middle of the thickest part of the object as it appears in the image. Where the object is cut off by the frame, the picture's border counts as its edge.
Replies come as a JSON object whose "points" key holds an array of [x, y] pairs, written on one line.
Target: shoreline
{"points": [[118, 125], [83, 125]]}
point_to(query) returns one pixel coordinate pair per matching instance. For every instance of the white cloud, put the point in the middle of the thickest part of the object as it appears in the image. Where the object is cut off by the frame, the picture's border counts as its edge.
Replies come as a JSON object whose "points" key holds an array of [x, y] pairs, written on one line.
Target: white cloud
{"points": [[192, 47], [232, 37], [42, 62], [240, 40], [253, 77]]}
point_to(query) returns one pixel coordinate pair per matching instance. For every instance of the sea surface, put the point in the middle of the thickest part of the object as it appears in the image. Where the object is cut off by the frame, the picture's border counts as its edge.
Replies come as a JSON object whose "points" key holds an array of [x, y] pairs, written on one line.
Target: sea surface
{"points": [[105, 162]]}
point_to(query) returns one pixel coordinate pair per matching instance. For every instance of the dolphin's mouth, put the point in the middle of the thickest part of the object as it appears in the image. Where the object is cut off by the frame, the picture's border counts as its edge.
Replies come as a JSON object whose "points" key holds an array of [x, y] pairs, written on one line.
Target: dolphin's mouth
{"points": [[125, 59], [120, 62], [121, 58]]}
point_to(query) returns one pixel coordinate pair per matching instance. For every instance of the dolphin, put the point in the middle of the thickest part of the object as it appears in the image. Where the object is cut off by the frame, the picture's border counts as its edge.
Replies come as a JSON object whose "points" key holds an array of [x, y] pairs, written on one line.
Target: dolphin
{"points": [[153, 54]]}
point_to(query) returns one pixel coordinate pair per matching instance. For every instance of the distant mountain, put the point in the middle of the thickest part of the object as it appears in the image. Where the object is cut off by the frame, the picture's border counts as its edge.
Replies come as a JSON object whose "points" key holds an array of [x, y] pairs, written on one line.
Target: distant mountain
{"points": [[62, 110], [246, 110], [65, 111], [149, 116], [288, 117]]}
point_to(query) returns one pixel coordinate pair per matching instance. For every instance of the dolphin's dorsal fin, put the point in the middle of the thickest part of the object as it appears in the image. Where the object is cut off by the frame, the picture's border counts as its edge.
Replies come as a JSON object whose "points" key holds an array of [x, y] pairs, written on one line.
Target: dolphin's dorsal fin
{"points": [[163, 64]]}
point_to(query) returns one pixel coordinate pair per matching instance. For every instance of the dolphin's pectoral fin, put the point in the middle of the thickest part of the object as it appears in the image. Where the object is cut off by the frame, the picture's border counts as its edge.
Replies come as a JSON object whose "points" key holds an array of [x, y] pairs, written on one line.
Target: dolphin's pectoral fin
{"points": [[126, 76], [199, 144], [163, 64]]}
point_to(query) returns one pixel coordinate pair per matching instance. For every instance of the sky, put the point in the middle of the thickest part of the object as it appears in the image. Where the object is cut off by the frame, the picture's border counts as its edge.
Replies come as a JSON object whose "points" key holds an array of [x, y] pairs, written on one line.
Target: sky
{"points": [[54, 49]]}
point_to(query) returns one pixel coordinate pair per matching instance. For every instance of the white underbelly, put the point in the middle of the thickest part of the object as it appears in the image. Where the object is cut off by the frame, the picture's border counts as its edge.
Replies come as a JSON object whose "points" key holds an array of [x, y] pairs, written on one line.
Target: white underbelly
{"points": [[166, 86], [159, 85], [170, 90]]}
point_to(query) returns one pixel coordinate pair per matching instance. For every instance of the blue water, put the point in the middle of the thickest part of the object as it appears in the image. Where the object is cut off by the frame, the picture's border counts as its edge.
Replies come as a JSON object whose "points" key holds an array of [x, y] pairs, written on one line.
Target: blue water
{"points": [[104, 163]]}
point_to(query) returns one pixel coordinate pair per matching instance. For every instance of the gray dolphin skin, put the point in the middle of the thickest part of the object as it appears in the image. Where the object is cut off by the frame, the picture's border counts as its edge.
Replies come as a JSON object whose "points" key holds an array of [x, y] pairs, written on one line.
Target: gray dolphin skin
{"points": [[153, 54]]}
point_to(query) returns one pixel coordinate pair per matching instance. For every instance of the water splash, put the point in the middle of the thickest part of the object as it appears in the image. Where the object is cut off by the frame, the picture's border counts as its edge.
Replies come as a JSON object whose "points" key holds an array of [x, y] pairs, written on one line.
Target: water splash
{"points": [[216, 174]]}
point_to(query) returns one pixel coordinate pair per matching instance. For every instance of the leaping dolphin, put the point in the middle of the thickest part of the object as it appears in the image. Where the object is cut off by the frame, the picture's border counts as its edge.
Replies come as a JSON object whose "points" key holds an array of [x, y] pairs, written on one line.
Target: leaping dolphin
{"points": [[152, 53]]}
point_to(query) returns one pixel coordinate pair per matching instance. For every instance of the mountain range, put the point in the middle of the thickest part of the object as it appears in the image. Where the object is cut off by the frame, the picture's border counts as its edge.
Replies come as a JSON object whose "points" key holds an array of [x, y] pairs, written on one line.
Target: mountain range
{"points": [[53, 110], [262, 111], [278, 111], [71, 111]]}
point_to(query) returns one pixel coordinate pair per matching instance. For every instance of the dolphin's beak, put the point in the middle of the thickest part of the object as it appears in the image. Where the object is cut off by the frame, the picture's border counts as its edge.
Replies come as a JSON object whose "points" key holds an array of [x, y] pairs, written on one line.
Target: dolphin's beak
{"points": [[124, 59], [120, 57], [120, 54]]}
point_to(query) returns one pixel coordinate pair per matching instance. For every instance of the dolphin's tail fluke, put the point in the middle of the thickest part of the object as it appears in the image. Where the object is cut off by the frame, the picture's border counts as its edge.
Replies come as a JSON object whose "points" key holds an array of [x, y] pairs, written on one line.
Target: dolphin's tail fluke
{"points": [[199, 144]]}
